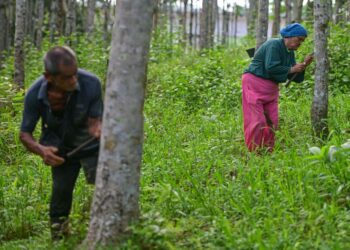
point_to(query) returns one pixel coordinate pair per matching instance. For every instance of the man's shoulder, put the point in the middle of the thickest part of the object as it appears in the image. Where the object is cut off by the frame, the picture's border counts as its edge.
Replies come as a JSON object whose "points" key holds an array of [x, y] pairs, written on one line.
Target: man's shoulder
{"points": [[35, 87], [85, 76]]}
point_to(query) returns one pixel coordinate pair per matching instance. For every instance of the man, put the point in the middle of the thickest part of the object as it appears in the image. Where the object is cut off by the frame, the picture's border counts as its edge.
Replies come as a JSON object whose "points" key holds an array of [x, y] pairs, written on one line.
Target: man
{"points": [[69, 102], [273, 63]]}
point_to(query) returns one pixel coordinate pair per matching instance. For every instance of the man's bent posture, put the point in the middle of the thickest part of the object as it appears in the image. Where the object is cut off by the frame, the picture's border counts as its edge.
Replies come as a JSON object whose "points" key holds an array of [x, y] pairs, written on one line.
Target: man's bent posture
{"points": [[68, 101]]}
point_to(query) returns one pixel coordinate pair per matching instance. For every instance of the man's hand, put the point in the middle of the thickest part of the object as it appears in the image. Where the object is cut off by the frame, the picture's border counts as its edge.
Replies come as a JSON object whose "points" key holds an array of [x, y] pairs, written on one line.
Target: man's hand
{"points": [[94, 127], [47, 153], [49, 156]]}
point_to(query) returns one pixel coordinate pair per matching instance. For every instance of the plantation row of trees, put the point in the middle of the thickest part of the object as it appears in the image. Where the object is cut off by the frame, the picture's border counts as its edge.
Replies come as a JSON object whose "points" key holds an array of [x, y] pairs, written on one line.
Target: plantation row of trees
{"points": [[197, 20]]}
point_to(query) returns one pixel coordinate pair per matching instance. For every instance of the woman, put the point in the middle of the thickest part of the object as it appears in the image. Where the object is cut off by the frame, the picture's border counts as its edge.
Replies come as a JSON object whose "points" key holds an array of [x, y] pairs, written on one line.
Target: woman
{"points": [[273, 63]]}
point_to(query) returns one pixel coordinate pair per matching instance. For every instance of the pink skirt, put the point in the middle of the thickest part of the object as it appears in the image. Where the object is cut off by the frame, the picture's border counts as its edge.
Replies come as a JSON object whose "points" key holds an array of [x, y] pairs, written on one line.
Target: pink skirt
{"points": [[260, 111]]}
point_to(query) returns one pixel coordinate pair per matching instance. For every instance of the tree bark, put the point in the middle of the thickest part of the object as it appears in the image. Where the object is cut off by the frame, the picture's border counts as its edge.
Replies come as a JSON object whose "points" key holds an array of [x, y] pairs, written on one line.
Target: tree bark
{"points": [[39, 23], [191, 24], [3, 27], [263, 22], [71, 18], [184, 38], [90, 17], [115, 204], [53, 20], [276, 26], [297, 10], [252, 17], [225, 25], [288, 6], [319, 109], [339, 10], [19, 43], [207, 23], [107, 18]]}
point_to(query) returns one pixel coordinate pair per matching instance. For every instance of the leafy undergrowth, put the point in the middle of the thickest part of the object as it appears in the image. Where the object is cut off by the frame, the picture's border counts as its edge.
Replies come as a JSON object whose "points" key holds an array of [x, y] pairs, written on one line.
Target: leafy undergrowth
{"points": [[200, 187]]}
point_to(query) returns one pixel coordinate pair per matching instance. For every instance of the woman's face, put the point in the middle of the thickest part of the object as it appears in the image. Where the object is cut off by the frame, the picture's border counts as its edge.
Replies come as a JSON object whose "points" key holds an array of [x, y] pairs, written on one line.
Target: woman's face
{"points": [[293, 43]]}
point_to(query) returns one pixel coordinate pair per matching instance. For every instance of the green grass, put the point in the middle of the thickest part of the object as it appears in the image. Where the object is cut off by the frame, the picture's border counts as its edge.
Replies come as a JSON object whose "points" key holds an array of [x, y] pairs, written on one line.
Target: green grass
{"points": [[200, 187]]}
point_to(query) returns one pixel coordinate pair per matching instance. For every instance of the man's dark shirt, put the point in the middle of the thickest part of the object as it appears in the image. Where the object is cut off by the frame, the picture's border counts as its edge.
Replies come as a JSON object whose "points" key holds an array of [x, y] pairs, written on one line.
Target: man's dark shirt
{"points": [[71, 126]]}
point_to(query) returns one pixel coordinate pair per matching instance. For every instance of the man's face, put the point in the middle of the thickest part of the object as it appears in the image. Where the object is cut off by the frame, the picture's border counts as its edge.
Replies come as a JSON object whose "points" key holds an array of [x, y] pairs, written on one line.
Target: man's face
{"points": [[66, 80], [293, 43]]}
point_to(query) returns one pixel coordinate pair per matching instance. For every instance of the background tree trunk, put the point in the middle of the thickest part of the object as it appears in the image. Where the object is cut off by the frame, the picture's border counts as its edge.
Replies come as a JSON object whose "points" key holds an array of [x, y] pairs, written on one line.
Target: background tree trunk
{"points": [[207, 23], [263, 23], [39, 23], [319, 108], [19, 43], [190, 38], [339, 11], [184, 36], [225, 25], [116, 198], [297, 10], [3, 27], [107, 18], [309, 10], [71, 18], [53, 20], [90, 17], [30, 20], [288, 6], [276, 26], [252, 17]]}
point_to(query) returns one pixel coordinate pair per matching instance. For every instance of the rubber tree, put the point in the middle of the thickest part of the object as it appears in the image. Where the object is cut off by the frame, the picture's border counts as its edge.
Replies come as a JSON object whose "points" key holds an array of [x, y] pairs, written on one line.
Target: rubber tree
{"points": [[40, 6], [263, 23], [252, 17], [276, 25], [319, 109], [207, 23], [288, 7], [116, 199], [18, 77]]}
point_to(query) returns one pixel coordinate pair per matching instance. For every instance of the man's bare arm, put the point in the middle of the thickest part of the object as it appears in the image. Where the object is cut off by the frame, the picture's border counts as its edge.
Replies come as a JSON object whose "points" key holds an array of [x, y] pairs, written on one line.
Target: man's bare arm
{"points": [[95, 127], [47, 153]]}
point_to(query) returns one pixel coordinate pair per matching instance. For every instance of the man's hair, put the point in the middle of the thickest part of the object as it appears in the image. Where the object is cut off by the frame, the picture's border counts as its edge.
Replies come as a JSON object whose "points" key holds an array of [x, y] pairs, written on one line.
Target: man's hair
{"points": [[57, 56]]}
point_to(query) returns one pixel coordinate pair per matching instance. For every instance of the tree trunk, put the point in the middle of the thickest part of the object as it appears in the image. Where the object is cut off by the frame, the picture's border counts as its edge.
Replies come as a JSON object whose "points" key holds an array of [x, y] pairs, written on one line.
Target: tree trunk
{"points": [[191, 24], [39, 24], [309, 10], [184, 38], [115, 203], [252, 17], [19, 43], [53, 20], [319, 108], [276, 26], [348, 17], [171, 26], [107, 17], [30, 20], [339, 10], [288, 6], [297, 10], [90, 17], [3, 28], [225, 25], [263, 22], [207, 23], [71, 18], [235, 23], [10, 13]]}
